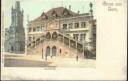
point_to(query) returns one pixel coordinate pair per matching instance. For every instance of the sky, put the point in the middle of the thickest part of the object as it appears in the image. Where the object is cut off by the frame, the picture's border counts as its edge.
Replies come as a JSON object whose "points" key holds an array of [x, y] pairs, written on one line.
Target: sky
{"points": [[34, 8]]}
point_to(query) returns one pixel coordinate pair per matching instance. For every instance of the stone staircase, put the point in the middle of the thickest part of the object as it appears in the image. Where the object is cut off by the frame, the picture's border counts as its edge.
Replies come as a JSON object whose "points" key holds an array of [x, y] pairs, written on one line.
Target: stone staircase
{"points": [[68, 44]]}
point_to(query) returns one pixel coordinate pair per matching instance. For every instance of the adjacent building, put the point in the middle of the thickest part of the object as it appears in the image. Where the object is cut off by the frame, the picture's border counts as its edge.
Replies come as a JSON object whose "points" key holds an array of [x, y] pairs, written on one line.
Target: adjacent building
{"points": [[15, 34]]}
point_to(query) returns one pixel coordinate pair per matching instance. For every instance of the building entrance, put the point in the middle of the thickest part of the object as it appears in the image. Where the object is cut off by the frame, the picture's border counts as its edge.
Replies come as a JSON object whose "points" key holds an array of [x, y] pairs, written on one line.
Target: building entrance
{"points": [[54, 51], [48, 51]]}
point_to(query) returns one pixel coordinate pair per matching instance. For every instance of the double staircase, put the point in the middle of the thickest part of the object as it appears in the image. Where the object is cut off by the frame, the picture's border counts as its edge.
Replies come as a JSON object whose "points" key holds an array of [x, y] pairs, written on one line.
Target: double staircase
{"points": [[68, 43]]}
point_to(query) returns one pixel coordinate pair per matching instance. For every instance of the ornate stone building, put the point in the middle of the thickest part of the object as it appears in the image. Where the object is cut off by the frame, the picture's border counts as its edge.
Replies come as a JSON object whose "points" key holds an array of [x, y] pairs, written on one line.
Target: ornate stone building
{"points": [[62, 32], [15, 34]]}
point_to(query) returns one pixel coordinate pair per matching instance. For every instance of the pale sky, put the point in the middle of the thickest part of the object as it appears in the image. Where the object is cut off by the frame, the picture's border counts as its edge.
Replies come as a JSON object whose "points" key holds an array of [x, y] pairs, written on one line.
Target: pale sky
{"points": [[34, 8]]}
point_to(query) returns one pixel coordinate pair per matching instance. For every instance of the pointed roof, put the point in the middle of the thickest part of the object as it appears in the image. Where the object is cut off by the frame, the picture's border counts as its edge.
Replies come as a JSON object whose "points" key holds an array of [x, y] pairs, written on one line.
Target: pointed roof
{"points": [[59, 12]]}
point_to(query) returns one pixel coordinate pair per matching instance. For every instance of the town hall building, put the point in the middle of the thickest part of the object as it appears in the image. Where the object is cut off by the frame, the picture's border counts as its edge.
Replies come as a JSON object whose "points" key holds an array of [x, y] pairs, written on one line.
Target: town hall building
{"points": [[62, 32]]}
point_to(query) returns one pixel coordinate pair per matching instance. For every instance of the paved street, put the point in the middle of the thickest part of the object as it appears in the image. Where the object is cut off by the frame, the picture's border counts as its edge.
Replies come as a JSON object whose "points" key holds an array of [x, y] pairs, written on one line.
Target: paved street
{"points": [[15, 60]]}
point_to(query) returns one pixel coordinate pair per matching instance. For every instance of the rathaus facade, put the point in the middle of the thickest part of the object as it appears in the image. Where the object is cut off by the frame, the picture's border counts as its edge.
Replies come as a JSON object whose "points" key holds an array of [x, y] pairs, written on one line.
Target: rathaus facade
{"points": [[15, 34], [62, 32]]}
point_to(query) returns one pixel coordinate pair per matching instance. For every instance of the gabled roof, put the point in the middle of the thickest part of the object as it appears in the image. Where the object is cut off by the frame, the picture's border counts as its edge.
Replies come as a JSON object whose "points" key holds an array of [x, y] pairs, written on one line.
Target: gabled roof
{"points": [[59, 12]]}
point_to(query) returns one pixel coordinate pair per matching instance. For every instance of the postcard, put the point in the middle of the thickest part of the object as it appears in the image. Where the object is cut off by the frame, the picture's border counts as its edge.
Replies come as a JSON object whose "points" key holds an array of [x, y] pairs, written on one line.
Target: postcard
{"points": [[63, 40]]}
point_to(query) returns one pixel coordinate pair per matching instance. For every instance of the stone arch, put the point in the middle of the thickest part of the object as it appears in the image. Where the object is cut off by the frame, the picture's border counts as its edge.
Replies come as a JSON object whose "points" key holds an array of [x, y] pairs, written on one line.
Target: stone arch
{"points": [[54, 35], [48, 35], [54, 51]]}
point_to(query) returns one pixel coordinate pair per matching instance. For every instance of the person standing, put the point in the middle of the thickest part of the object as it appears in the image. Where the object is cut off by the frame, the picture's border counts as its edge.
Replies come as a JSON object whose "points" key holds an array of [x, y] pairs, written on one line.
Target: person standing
{"points": [[77, 58]]}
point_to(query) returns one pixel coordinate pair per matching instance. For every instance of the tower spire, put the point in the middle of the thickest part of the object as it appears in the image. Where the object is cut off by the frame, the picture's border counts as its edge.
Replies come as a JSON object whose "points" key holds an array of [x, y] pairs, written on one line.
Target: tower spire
{"points": [[17, 5]]}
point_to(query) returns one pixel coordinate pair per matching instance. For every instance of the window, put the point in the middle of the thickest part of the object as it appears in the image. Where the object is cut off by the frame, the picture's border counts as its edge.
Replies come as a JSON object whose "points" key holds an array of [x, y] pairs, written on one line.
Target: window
{"points": [[34, 29], [76, 25], [38, 29], [64, 26], [29, 29], [83, 24], [75, 36], [60, 50], [70, 25], [68, 35], [33, 38], [82, 37]]}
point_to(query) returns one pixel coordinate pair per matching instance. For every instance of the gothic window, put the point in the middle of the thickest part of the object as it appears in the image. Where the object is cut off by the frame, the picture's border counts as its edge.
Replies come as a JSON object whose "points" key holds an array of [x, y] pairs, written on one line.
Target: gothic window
{"points": [[64, 26], [83, 24], [70, 25], [76, 25]]}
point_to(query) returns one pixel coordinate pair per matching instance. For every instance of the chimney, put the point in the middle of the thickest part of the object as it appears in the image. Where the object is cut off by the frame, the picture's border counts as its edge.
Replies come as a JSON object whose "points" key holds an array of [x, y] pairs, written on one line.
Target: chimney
{"points": [[69, 7]]}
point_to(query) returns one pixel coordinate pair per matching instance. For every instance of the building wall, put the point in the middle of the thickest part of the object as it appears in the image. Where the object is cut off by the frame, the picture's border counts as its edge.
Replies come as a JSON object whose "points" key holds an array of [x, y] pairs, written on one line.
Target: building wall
{"points": [[78, 27]]}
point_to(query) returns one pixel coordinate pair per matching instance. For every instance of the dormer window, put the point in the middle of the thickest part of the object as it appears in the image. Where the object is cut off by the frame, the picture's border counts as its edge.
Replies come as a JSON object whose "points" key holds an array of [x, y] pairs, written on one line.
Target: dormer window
{"points": [[66, 13], [54, 14], [44, 16]]}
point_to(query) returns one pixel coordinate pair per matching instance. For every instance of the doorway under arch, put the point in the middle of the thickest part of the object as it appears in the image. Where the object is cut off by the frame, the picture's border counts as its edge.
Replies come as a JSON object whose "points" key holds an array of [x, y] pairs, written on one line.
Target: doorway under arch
{"points": [[48, 51], [12, 49], [54, 50]]}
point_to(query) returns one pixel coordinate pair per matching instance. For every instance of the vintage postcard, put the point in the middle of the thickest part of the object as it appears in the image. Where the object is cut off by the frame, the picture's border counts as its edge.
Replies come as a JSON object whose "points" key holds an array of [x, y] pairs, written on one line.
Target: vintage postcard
{"points": [[63, 39]]}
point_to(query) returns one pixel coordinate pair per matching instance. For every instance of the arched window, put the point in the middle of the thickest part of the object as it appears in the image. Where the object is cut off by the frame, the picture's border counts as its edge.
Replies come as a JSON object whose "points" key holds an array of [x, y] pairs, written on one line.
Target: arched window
{"points": [[48, 35], [54, 36]]}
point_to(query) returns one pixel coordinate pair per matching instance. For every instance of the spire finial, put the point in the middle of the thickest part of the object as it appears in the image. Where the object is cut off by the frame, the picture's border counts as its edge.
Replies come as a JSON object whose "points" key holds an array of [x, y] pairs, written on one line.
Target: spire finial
{"points": [[91, 10], [69, 7]]}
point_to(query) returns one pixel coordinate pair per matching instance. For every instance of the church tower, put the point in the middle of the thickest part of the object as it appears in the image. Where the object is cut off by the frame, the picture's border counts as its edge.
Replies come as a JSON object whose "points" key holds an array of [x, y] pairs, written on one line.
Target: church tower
{"points": [[16, 33]]}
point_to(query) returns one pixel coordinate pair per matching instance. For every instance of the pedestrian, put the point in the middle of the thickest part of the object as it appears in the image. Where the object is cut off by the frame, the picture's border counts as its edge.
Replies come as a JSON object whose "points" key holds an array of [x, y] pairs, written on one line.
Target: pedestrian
{"points": [[51, 56], [77, 57]]}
